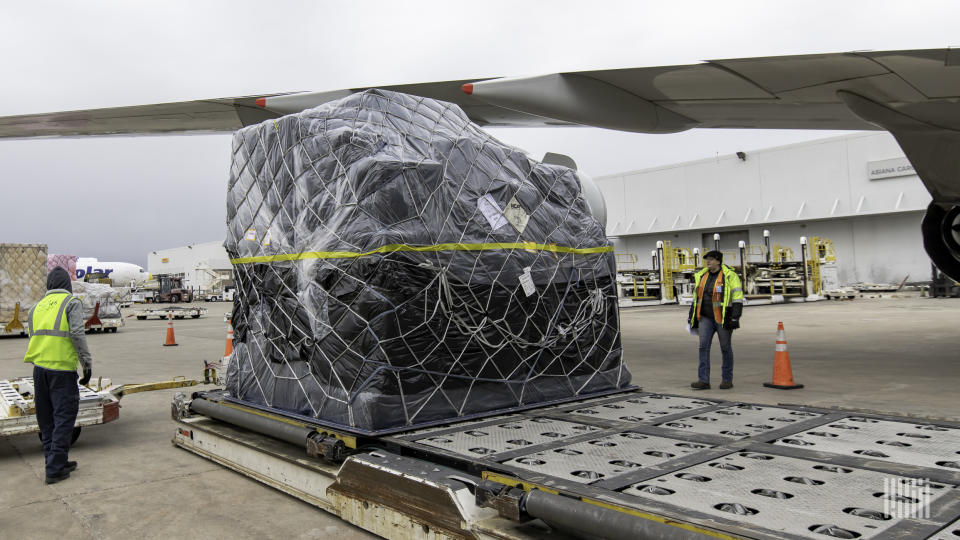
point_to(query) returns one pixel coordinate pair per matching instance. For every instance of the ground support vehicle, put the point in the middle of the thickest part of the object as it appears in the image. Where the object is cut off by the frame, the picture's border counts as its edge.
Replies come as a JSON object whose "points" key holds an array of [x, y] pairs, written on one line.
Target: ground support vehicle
{"points": [[171, 312], [141, 297], [843, 293], [944, 287], [171, 289], [638, 285], [96, 323], [221, 296], [765, 280], [99, 403], [630, 465], [14, 326]]}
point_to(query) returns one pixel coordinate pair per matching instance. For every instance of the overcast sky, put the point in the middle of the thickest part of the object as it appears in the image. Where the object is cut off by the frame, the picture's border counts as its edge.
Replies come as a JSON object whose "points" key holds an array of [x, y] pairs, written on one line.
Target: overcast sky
{"points": [[118, 198]]}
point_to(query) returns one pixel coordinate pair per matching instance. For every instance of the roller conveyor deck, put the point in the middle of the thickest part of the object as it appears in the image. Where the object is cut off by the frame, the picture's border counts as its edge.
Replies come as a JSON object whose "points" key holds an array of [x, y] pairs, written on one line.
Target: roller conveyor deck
{"points": [[630, 465]]}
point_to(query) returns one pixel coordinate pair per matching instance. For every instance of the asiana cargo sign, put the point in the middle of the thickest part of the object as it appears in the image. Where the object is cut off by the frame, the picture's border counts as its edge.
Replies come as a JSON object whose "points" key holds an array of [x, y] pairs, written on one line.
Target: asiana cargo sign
{"points": [[889, 168]]}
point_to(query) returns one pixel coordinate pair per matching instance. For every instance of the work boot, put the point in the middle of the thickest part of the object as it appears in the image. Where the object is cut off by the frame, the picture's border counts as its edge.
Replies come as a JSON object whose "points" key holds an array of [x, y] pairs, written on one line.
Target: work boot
{"points": [[58, 478], [726, 385], [70, 466], [700, 385]]}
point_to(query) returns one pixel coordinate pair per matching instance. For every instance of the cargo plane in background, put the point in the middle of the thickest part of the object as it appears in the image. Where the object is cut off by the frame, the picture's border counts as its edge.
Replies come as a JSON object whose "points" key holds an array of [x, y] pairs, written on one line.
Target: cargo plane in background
{"points": [[913, 94], [121, 274]]}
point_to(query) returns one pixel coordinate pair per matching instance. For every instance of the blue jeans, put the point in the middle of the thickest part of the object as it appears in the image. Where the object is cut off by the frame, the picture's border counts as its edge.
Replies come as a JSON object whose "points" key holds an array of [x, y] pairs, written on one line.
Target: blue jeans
{"points": [[707, 328], [57, 400]]}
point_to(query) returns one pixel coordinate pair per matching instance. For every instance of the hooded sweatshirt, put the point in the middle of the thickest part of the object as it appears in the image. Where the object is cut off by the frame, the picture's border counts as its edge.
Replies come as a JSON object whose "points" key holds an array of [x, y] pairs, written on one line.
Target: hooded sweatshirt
{"points": [[58, 281]]}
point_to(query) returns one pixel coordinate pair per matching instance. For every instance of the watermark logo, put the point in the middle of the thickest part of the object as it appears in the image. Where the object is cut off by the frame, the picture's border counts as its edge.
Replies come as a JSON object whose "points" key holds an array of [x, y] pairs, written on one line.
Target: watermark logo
{"points": [[905, 498]]}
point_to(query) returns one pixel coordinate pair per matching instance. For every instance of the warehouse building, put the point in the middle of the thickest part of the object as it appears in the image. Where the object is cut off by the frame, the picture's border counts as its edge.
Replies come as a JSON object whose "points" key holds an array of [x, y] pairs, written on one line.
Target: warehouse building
{"points": [[858, 191], [204, 267]]}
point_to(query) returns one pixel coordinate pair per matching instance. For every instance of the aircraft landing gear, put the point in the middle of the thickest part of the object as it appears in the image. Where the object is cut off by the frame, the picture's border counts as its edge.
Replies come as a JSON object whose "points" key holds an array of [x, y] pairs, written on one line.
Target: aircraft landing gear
{"points": [[941, 237]]}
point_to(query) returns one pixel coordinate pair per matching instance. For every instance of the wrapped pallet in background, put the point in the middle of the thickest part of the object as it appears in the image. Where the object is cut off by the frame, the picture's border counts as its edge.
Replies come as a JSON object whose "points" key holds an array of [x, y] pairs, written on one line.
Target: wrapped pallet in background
{"points": [[67, 262], [108, 297], [23, 280], [397, 265]]}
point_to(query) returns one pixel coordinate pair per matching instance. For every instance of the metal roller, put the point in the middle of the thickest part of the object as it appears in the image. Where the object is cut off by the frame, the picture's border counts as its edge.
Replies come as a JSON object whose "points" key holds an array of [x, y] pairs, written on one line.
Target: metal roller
{"points": [[594, 521], [291, 433]]}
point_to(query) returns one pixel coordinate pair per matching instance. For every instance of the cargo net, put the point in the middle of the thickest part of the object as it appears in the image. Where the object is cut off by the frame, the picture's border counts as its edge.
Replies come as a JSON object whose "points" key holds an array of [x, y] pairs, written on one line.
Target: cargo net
{"points": [[396, 266], [23, 280]]}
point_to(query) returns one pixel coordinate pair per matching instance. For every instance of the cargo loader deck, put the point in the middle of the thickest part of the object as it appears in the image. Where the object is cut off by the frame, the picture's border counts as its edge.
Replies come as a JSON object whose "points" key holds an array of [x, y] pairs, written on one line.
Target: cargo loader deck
{"points": [[633, 465], [175, 312], [99, 403], [18, 415]]}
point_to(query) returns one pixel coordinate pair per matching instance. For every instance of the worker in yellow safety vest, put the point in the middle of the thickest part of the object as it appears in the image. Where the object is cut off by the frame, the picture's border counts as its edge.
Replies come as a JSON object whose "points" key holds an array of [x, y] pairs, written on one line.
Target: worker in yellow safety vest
{"points": [[716, 309], [56, 349]]}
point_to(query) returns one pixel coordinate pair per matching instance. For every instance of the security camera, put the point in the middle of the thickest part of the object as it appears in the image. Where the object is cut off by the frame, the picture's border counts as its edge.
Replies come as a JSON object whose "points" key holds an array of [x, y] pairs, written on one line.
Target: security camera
{"points": [[742, 156]]}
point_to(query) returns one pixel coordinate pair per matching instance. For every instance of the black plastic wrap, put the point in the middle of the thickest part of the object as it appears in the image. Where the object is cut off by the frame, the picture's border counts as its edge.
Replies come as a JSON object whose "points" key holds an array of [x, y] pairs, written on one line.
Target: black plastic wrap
{"points": [[380, 242]]}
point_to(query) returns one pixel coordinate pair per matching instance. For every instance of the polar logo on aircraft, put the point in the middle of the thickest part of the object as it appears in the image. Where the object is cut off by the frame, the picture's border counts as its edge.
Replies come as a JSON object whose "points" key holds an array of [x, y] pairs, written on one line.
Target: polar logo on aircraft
{"points": [[91, 270]]}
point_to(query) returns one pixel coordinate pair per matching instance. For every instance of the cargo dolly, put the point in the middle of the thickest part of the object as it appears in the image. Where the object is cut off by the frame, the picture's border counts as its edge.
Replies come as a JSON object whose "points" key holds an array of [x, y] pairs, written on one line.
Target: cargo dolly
{"points": [[99, 323], [14, 325], [99, 404], [171, 312], [630, 465]]}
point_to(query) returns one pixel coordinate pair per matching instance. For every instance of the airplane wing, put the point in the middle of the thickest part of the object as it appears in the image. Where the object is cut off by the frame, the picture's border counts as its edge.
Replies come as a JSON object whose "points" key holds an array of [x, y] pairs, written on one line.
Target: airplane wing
{"points": [[202, 116], [780, 92], [914, 94], [230, 114]]}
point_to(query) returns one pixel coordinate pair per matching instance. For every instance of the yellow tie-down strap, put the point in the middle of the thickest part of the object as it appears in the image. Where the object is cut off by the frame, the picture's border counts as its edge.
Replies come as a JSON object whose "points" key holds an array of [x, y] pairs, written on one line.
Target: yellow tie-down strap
{"points": [[527, 486], [391, 248], [177, 382]]}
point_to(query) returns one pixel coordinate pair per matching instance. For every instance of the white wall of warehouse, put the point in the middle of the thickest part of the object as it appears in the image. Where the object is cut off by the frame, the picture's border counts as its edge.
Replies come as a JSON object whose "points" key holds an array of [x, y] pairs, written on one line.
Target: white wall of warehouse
{"points": [[195, 262], [877, 249], [818, 188]]}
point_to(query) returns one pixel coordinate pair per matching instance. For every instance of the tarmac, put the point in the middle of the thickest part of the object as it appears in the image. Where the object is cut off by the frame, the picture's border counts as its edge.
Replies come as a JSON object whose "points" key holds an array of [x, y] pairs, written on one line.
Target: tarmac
{"points": [[896, 356]]}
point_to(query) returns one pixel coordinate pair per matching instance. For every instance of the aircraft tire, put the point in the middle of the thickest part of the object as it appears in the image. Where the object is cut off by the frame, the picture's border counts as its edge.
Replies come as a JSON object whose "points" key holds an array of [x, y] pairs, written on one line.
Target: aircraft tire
{"points": [[941, 238]]}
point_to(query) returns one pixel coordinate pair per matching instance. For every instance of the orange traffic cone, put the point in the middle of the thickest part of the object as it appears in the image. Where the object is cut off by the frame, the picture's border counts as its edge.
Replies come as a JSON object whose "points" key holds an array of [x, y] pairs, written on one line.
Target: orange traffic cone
{"points": [[171, 340], [782, 373], [228, 350]]}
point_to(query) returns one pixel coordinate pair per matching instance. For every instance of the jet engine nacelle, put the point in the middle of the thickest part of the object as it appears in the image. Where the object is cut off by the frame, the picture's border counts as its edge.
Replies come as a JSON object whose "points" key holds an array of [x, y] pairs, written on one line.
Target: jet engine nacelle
{"points": [[588, 188], [594, 198]]}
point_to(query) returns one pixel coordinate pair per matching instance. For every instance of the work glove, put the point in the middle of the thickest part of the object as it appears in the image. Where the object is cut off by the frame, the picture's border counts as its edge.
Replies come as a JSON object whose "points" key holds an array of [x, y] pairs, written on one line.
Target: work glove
{"points": [[731, 324], [87, 373]]}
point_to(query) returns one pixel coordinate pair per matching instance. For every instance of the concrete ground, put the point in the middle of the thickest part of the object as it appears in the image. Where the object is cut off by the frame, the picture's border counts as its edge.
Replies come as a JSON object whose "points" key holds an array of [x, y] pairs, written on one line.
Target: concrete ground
{"points": [[898, 355], [131, 481]]}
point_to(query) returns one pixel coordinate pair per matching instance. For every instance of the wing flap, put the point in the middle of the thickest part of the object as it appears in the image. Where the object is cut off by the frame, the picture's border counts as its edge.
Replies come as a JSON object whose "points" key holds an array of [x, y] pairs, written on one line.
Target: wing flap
{"points": [[785, 73], [930, 71]]}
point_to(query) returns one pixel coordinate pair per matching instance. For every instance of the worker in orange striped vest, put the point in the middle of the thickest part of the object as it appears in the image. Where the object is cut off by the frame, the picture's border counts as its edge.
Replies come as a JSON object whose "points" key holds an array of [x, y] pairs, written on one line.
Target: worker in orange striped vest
{"points": [[716, 309]]}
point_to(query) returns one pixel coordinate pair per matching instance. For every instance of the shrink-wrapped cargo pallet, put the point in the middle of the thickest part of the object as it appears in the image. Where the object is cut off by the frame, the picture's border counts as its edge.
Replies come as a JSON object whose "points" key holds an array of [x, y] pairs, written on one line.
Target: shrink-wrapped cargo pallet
{"points": [[67, 262], [23, 280], [397, 266], [98, 293]]}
